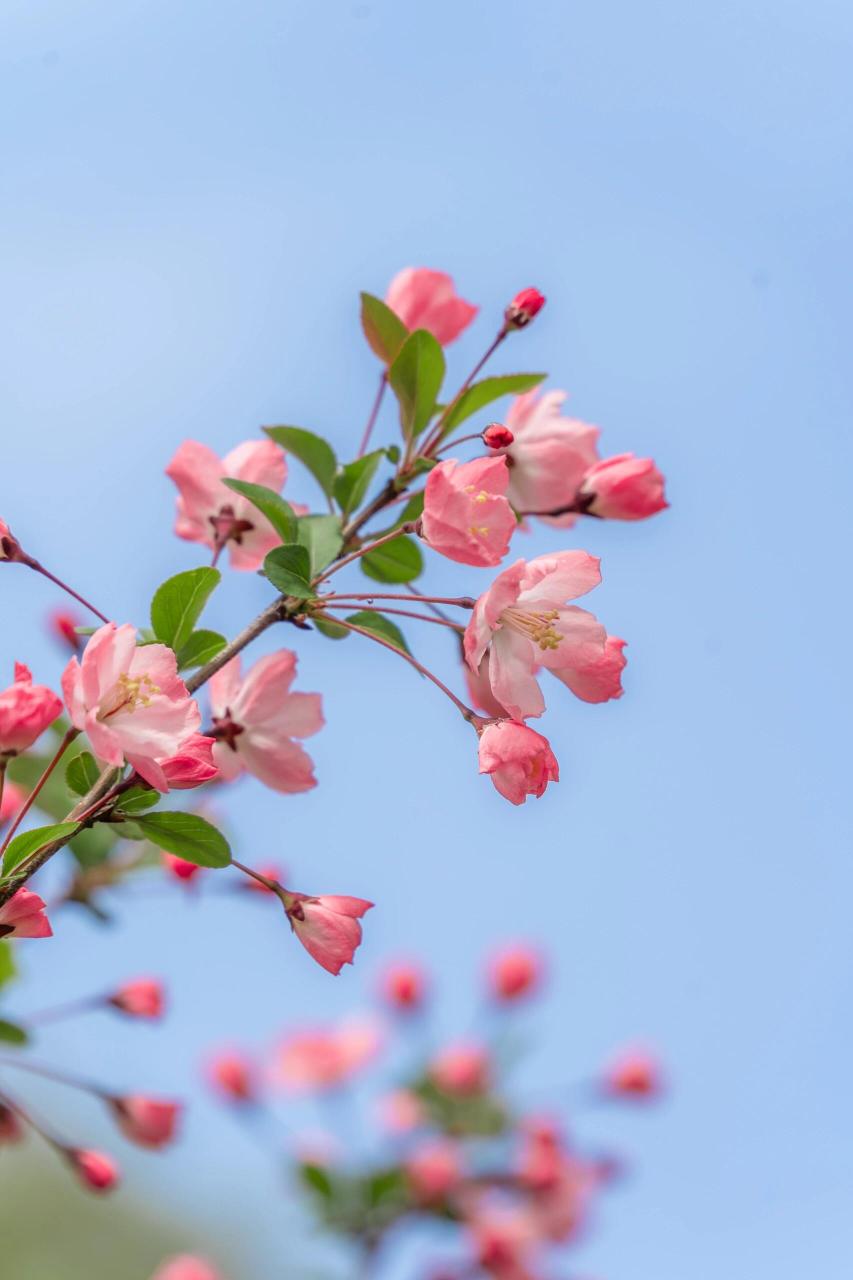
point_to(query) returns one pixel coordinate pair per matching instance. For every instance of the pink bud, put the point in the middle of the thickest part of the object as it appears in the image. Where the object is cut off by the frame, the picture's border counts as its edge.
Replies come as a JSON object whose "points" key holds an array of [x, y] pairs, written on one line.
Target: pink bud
{"points": [[233, 1075], [497, 436], [146, 1121], [180, 868], [462, 1069], [192, 765], [404, 986], [95, 1170], [434, 1169], [515, 972], [11, 1129], [635, 1073], [623, 488], [140, 998], [328, 927], [401, 1111], [64, 626], [24, 916], [525, 305], [186, 1266]]}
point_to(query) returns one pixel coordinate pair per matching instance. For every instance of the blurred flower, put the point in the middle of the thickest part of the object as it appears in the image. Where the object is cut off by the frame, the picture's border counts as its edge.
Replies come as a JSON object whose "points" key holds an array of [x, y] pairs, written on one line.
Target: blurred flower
{"points": [[549, 455], [327, 926], [466, 516], [503, 1241], [94, 1169], [515, 972], [404, 986], [179, 868], [24, 916], [270, 871], [425, 299], [434, 1169], [146, 1121], [624, 488], [519, 761], [186, 1266], [401, 1111], [139, 998], [634, 1073], [233, 1074], [325, 1058], [63, 625], [11, 800], [26, 710], [461, 1069]]}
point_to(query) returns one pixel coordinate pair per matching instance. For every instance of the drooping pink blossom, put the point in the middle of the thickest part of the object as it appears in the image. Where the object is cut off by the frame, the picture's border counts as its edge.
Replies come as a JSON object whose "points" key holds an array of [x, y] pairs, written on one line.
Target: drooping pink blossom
{"points": [[140, 998], [24, 916], [434, 1169], [466, 516], [131, 702], [26, 710], [192, 764], [97, 1172], [404, 986], [425, 299], [634, 1073], [256, 718], [515, 972], [519, 760], [148, 1122], [232, 1073], [214, 515], [549, 455], [63, 625], [187, 1266], [11, 1129], [462, 1070], [523, 622], [526, 304], [624, 487], [327, 926], [11, 800], [179, 868], [325, 1058]]}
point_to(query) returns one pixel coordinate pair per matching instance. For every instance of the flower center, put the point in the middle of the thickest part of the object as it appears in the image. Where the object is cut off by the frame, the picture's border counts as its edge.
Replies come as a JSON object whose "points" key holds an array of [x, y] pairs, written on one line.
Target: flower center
{"points": [[128, 693], [226, 730], [537, 625]]}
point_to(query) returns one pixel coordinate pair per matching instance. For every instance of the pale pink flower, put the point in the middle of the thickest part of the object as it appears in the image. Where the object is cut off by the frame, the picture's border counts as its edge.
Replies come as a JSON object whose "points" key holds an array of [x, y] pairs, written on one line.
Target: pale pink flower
{"points": [[404, 986], [232, 1073], [634, 1073], [327, 926], [187, 1266], [519, 760], [24, 916], [146, 1121], [466, 515], [11, 800], [324, 1058], [26, 710], [11, 1129], [549, 456], [140, 998], [212, 514], [95, 1170], [192, 764], [256, 718], [596, 677], [480, 688], [131, 702], [515, 972], [524, 623], [434, 1169], [526, 304], [401, 1111], [463, 1070], [425, 299], [623, 488]]}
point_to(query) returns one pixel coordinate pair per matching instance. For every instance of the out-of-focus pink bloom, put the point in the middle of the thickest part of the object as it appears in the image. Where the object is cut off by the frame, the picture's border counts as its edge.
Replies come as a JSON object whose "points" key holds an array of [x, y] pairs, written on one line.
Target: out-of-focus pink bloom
{"points": [[233, 1074], [26, 710], [596, 678], [404, 986], [634, 1073], [466, 516], [523, 622], [401, 1111], [515, 972], [130, 701], [321, 1058], [212, 514], [463, 1070], [328, 926], [425, 299], [140, 998], [11, 800], [63, 625], [179, 867], [526, 304], [270, 871], [187, 1266], [624, 488], [192, 764], [561, 1185], [519, 760], [434, 1170], [256, 718], [11, 1129], [146, 1121], [94, 1169], [549, 456], [504, 1240], [24, 916], [497, 436]]}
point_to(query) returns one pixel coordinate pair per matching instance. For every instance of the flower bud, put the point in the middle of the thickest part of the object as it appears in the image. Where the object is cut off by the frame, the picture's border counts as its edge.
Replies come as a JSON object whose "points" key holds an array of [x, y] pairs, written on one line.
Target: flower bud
{"points": [[233, 1075], [634, 1074], [515, 972], [146, 1121], [26, 710], [95, 1170], [403, 986], [524, 306], [191, 765], [433, 1170], [180, 868], [623, 488], [63, 626], [497, 436], [327, 926], [140, 998], [24, 916], [518, 759]]}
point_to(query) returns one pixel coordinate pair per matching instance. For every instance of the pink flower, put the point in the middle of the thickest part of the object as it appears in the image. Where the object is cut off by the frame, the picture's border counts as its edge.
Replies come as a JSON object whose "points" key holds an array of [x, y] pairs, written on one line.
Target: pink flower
{"points": [[324, 1059], [11, 800], [504, 1239], [515, 972], [462, 1070], [634, 1073], [179, 868], [26, 710], [624, 488], [192, 764], [401, 1111], [24, 916], [11, 1129], [466, 516], [140, 998], [549, 456], [404, 986], [526, 304], [561, 1185], [523, 623], [256, 718], [328, 926], [146, 1121], [233, 1074], [186, 1266], [131, 701], [519, 760], [426, 299], [497, 436], [211, 513], [434, 1170], [480, 688], [64, 627], [95, 1170]]}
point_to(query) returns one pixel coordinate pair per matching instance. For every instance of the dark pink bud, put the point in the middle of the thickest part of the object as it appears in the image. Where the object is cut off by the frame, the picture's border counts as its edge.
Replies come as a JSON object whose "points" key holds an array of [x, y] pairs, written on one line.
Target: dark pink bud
{"points": [[141, 998], [233, 1075], [635, 1073], [497, 436], [63, 626], [515, 972], [180, 868], [95, 1170], [146, 1121], [404, 986], [524, 306]]}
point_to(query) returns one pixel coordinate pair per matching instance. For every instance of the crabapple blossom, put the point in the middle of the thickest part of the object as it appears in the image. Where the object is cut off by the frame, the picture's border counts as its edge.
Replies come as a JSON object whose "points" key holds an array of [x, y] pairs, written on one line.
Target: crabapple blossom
{"points": [[192, 764], [461, 1069], [497, 436], [95, 1170], [327, 926], [26, 710], [480, 688], [256, 718], [186, 1266], [140, 998], [596, 677], [146, 1121], [634, 1073], [623, 487], [401, 1111], [526, 304], [549, 454], [7, 541], [434, 1169], [214, 515], [24, 916], [515, 972], [519, 760], [425, 299], [321, 1058], [466, 516], [179, 868], [233, 1074], [131, 702], [404, 986]]}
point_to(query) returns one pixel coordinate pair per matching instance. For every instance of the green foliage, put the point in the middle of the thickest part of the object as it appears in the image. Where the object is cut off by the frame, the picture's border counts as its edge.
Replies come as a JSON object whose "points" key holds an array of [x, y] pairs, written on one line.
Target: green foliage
{"points": [[11, 1033], [178, 603], [416, 377], [93, 844], [397, 561], [200, 648], [312, 451], [487, 391], [369, 620], [361, 1206], [82, 773], [479, 1116], [289, 570], [31, 841], [8, 968], [352, 484], [321, 538], [383, 328], [270, 504], [187, 835], [330, 629], [137, 800]]}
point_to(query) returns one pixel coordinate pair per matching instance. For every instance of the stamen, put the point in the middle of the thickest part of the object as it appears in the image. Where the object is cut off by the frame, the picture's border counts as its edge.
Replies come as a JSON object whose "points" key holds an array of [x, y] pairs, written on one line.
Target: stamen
{"points": [[537, 626]]}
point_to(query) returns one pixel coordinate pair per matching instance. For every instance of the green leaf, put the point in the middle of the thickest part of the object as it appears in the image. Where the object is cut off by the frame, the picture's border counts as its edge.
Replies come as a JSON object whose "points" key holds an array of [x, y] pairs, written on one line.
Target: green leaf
{"points": [[289, 570], [11, 1033], [200, 648], [321, 538], [82, 773], [354, 481], [397, 561], [270, 504], [93, 844], [485, 392], [331, 630], [178, 603], [311, 450], [382, 626], [413, 510], [31, 841], [8, 969], [416, 377], [383, 328], [186, 835], [137, 800]]}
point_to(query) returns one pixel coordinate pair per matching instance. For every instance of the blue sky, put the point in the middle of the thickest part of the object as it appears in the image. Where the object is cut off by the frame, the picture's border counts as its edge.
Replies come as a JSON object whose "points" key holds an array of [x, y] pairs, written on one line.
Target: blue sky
{"points": [[192, 197]]}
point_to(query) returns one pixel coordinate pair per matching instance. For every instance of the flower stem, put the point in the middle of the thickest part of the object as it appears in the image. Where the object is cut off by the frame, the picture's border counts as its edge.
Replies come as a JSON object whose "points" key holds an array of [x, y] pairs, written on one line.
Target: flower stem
{"points": [[402, 613], [436, 434], [462, 602], [69, 1010], [408, 527], [45, 573], [28, 803], [51, 1073], [374, 414]]}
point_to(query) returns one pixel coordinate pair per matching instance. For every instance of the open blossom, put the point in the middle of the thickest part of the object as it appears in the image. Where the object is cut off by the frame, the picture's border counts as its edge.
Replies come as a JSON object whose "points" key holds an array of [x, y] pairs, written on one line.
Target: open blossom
{"points": [[404, 986], [466, 515], [212, 514], [186, 1266], [26, 710], [146, 1121], [434, 1169], [324, 1058], [515, 972], [524, 623], [140, 998], [425, 299], [233, 1074], [94, 1169], [10, 801], [130, 701], [461, 1069], [24, 916], [549, 456], [327, 926], [623, 488], [256, 718], [192, 764], [519, 760], [634, 1073]]}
